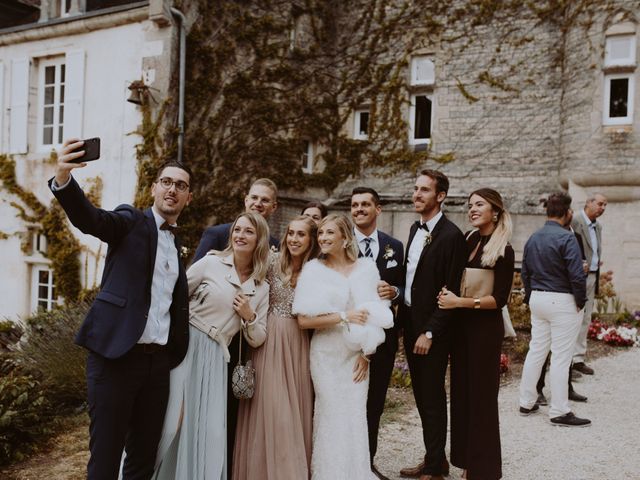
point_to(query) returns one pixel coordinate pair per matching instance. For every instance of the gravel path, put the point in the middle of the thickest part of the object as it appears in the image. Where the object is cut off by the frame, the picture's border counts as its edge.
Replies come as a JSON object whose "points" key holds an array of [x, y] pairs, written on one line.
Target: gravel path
{"points": [[534, 449]]}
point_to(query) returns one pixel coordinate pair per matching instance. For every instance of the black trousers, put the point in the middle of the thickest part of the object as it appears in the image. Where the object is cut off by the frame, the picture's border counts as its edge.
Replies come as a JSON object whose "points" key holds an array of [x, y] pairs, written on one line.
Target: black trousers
{"points": [[127, 403], [380, 371], [428, 382]]}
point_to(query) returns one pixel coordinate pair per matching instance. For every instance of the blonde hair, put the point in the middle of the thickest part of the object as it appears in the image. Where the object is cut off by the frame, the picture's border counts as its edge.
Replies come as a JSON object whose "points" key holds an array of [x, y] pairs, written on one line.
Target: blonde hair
{"points": [[285, 262], [260, 260], [346, 229], [501, 235]]}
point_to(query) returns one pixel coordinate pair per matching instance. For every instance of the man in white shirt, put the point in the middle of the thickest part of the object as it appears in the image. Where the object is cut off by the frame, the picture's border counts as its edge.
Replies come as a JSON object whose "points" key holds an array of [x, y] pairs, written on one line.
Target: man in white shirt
{"points": [[388, 253], [137, 329], [590, 230]]}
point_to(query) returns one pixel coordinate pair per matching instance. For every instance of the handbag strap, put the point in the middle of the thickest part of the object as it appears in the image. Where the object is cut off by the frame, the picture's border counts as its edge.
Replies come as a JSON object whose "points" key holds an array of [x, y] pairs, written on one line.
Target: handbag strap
{"points": [[240, 348]]}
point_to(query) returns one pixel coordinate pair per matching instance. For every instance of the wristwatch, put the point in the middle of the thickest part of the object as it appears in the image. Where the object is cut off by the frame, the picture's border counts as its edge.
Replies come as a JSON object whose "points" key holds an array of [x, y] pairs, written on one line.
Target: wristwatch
{"points": [[429, 335]]}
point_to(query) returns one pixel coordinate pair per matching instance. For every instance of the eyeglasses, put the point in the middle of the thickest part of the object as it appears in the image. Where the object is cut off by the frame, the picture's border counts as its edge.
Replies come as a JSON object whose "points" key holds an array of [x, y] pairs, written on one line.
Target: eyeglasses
{"points": [[167, 183]]}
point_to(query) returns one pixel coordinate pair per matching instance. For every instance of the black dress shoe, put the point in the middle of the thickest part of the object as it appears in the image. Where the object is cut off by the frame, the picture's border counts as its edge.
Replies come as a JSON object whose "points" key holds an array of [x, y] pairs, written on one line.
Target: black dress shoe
{"points": [[576, 397], [583, 368], [570, 420], [525, 412], [377, 473], [542, 400]]}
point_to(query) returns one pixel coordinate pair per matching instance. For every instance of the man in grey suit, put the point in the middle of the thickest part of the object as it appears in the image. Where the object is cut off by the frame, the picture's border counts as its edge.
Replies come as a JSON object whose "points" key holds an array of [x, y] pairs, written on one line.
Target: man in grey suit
{"points": [[585, 223]]}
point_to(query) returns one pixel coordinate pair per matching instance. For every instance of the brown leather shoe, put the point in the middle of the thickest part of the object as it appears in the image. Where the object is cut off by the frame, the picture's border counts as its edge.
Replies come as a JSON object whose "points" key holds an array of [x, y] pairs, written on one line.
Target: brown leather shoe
{"points": [[377, 473], [412, 472], [415, 472]]}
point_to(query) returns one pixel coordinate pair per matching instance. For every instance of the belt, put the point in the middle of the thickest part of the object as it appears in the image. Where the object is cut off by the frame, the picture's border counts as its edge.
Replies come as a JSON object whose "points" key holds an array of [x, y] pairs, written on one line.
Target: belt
{"points": [[148, 348], [548, 291], [595, 272]]}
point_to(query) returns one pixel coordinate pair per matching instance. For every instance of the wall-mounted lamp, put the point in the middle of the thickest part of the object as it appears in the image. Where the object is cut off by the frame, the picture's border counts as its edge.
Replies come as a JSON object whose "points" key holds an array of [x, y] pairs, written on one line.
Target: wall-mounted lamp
{"points": [[139, 92]]}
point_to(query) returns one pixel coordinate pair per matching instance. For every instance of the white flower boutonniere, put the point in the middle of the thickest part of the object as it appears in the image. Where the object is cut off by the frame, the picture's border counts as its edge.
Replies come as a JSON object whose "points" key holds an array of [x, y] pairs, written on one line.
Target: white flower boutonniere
{"points": [[273, 249], [427, 239], [184, 252], [388, 252]]}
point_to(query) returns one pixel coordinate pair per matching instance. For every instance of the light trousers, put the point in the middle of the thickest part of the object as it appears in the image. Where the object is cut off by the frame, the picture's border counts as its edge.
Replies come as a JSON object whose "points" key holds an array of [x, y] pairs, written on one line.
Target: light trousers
{"points": [[555, 322], [581, 342]]}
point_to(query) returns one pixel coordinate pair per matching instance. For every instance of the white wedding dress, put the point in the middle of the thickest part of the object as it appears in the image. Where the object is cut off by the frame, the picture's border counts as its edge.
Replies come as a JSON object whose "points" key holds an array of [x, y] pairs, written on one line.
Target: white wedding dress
{"points": [[340, 436]]}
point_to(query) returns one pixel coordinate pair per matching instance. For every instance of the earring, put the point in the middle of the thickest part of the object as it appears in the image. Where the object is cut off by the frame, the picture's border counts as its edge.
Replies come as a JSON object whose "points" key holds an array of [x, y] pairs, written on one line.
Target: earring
{"points": [[495, 218], [345, 244]]}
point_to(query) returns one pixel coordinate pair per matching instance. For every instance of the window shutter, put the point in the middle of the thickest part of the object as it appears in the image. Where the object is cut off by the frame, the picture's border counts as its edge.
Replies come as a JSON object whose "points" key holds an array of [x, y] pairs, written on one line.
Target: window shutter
{"points": [[74, 94], [1, 105], [422, 71], [18, 119]]}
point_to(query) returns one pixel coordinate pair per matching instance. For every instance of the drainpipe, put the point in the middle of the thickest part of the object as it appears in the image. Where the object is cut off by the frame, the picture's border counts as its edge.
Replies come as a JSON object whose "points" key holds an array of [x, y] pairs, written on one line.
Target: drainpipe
{"points": [[183, 48]]}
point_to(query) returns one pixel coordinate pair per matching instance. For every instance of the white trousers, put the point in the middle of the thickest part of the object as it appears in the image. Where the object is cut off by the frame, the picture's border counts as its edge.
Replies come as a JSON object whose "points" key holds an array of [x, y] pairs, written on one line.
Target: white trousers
{"points": [[581, 342], [555, 322]]}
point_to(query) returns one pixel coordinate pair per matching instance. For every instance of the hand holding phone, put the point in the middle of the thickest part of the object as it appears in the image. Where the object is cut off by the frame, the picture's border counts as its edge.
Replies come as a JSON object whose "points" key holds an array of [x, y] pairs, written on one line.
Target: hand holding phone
{"points": [[91, 149]]}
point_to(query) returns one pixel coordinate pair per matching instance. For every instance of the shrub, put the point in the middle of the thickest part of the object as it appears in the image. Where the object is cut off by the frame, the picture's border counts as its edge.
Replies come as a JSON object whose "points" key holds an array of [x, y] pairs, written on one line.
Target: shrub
{"points": [[25, 416], [518, 310], [49, 354], [10, 333]]}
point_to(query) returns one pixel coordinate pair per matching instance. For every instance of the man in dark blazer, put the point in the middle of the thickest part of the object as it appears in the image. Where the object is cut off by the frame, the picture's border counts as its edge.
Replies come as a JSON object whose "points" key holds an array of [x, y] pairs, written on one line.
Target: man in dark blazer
{"points": [[388, 253], [262, 199], [436, 257], [137, 328]]}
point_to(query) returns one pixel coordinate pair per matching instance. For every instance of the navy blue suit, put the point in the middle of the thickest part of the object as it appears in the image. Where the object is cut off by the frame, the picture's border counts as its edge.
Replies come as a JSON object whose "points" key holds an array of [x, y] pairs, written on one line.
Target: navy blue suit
{"points": [[382, 361], [217, 238], [127, 387]]}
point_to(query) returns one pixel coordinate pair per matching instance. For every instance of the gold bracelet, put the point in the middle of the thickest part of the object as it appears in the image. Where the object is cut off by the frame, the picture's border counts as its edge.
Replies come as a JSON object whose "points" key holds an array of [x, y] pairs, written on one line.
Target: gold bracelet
{"points": [[476, 303]]}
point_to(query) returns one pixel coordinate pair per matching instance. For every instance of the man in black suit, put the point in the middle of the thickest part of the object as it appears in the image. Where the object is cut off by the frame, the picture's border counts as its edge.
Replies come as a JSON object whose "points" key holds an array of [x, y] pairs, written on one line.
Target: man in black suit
{"points": [[262, 199], [388, 254], [137, 328], [436, 257]]}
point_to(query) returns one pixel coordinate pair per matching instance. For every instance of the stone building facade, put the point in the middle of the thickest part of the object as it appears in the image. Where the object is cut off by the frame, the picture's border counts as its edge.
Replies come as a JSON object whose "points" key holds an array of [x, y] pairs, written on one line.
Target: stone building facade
{"points": [[530, 107]]}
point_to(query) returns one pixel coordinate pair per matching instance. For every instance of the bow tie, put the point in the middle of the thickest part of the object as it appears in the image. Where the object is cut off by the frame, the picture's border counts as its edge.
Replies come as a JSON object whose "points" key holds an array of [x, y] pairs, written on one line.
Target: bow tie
{"points": [[166, 226], [422, 226]]}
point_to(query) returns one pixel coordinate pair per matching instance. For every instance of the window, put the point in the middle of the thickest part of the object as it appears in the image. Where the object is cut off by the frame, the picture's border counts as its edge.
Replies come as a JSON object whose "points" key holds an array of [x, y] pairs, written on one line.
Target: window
{"points": [[307, 157], [39, 242], [420, 116], [620, 50], [422, 71], [619, 79], [361, 124], [42, 288], [51, 102]]}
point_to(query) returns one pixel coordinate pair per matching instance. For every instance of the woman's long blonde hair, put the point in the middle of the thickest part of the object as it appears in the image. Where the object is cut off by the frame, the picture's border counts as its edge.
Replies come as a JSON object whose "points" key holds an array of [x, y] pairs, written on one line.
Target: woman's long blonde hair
{"points": [[501, 235], [346, 230], [260, 260], [285, 262]]}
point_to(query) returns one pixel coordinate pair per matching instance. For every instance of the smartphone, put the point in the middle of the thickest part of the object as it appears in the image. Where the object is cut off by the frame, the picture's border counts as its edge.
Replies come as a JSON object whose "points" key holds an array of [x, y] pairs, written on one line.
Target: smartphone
{"points": [[91, 149]]}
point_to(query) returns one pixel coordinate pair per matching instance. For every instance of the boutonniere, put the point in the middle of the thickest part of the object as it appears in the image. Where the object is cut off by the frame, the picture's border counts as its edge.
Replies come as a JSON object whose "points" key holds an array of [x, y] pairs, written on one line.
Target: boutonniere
{"points": [[273, 249], [427, 239], [184, 252], [388, 252]]}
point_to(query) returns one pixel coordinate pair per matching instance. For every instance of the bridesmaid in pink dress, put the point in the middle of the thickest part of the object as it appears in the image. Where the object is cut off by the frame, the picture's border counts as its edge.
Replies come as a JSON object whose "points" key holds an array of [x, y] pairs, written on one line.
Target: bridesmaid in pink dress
{"points": [[273, 437]]}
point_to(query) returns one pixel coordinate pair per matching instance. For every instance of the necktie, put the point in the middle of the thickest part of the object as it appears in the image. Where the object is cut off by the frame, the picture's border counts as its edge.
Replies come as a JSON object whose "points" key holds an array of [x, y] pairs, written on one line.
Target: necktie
{"points": [[367, 248], [166, 226]]}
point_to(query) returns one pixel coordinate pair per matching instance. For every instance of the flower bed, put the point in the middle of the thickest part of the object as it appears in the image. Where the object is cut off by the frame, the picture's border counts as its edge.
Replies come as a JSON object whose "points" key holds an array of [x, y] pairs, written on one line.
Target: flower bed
{"points": [[623, 335]]}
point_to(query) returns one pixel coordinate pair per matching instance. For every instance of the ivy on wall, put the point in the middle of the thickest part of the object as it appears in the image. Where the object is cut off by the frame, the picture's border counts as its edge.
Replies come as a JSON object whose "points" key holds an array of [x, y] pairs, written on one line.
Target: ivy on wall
{"points": [[63, 248]]}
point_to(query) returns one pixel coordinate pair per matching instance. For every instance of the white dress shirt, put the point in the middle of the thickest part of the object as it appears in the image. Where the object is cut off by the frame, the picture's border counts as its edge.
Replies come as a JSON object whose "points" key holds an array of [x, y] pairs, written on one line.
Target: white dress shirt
{"points": [[413, 256], [165, 276], [374, 244], [593, 240]]}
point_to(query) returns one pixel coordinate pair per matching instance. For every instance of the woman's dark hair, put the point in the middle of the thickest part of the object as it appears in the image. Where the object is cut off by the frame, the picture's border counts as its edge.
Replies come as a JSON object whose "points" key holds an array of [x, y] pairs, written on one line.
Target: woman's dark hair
{"points": [[320, 206]]}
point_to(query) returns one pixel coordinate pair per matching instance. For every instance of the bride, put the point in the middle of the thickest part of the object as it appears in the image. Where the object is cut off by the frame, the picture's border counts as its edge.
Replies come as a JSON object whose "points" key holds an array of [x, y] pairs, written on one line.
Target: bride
{"points": [[337, 296]]}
